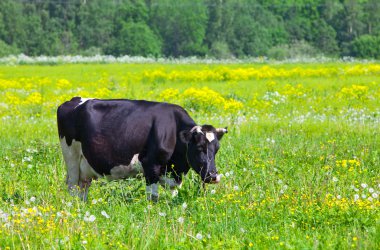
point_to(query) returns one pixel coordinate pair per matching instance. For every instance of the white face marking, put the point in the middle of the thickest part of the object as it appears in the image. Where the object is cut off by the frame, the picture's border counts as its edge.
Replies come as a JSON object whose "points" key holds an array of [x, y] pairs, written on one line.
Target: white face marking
{"points": [[123, 171], [168, 182], [210, 136], [152, 192]]}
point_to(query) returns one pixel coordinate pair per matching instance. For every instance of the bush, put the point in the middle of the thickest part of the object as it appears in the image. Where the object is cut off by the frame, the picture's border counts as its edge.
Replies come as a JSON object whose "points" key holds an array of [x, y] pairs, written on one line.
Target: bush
{"points": [[366, 46], [6, 49], [298, 49], [220, 50]]}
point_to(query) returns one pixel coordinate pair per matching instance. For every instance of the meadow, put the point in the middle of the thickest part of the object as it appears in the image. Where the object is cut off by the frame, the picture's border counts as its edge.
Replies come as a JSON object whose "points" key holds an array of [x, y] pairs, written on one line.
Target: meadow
{"points": [[300, 164]]}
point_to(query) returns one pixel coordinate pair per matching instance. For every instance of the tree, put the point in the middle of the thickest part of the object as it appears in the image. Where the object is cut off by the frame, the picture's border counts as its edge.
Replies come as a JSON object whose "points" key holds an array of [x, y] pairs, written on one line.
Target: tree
{"points": [[182, 26], [136, 39]]}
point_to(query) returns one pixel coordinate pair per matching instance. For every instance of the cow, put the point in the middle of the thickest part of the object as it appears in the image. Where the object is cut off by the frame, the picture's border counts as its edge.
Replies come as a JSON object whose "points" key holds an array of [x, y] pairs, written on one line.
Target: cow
{"points": [[120, 138]]}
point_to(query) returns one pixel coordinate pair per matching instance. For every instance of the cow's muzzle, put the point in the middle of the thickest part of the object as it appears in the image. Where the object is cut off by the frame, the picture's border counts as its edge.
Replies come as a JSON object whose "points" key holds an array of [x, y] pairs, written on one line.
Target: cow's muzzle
{"points": [[212, 178]]}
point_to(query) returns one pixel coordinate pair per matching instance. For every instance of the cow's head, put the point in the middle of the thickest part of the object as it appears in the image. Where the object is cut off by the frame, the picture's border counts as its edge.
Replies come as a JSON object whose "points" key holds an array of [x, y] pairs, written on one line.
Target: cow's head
{"points": [[202, 145]]}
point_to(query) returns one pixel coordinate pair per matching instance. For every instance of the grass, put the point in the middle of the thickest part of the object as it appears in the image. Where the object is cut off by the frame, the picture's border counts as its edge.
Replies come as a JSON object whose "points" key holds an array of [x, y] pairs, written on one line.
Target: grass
{"points": [[300, 161]]}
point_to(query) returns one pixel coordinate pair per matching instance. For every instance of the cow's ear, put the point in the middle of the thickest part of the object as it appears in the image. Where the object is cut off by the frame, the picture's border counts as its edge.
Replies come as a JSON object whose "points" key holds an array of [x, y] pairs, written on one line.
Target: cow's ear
{"points": [[185, 136], [220, 132]]}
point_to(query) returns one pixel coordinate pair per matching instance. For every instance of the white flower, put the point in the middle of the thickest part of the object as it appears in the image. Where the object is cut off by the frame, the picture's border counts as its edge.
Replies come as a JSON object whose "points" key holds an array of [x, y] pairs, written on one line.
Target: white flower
{"points": [[364, 185], [149, 207], [213, 191], [375, 195], [105, 214], [87, 214], [335, 179], [181, 220], [162, 214], [59, 214], [174, 193], [69, 204], [356, 197], [370, 198], [227, 174], [184, 205], [32, 199], [371, 190], [84, 242], [92, 218], [339, 197], [199, 236], [236, 188], [282, 191], [364, 196], [242, 230], [94, 201], [285, 187]]}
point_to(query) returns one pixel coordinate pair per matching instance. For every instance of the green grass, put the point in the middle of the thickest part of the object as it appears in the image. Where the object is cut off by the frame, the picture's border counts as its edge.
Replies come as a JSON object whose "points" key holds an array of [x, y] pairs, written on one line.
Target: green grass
{"points": [[293, 167]]}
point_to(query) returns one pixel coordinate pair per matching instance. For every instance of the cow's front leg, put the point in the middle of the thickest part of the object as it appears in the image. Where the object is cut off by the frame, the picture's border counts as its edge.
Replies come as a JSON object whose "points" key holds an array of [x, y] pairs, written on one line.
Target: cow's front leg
{"points": [[152, 179]]}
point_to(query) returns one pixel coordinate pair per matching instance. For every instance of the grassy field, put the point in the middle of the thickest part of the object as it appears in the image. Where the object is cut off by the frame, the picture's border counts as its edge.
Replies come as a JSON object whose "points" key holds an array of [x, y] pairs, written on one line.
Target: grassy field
{"points": [[301, 161]]}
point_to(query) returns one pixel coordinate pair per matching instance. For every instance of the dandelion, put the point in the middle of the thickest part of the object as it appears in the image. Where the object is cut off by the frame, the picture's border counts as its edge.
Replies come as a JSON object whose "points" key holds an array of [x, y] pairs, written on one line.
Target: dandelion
{"points": [[184, 205], [356, 197], [92, 218], [162, 214], [199, 236], [174, 193], [105, 214], [181, 220]]}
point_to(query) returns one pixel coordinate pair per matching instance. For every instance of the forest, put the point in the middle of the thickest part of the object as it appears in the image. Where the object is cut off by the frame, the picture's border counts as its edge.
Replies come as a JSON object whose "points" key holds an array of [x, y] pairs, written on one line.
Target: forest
{"points": [[219, 29]]}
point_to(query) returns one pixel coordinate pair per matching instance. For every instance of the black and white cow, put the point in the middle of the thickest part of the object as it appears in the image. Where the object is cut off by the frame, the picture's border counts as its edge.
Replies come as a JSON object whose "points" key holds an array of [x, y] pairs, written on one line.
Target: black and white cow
{"points": [[114, 138]]}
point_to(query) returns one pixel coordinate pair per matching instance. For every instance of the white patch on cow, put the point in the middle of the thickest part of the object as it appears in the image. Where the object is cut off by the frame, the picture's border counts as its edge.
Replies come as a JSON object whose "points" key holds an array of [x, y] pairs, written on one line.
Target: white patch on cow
{"points": [[83, 100], [210, 136], [152, 192], [168, 182], [125, 171]]}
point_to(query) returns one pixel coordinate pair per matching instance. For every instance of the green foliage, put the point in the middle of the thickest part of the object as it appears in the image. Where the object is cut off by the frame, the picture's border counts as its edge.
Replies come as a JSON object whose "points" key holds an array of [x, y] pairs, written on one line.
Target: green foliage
{"points": [[6, 50], [220, 29], [136, 38], [366, 46]]}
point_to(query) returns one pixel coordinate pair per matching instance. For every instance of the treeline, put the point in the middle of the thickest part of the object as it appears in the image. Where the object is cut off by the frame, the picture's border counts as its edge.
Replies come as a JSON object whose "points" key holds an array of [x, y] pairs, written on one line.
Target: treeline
{"points": [[180, 28]]}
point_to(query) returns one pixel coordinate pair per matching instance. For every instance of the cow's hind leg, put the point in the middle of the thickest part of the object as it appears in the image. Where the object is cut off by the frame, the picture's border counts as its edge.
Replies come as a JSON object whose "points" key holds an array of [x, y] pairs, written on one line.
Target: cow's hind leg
{"points": [[71, 155]]}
